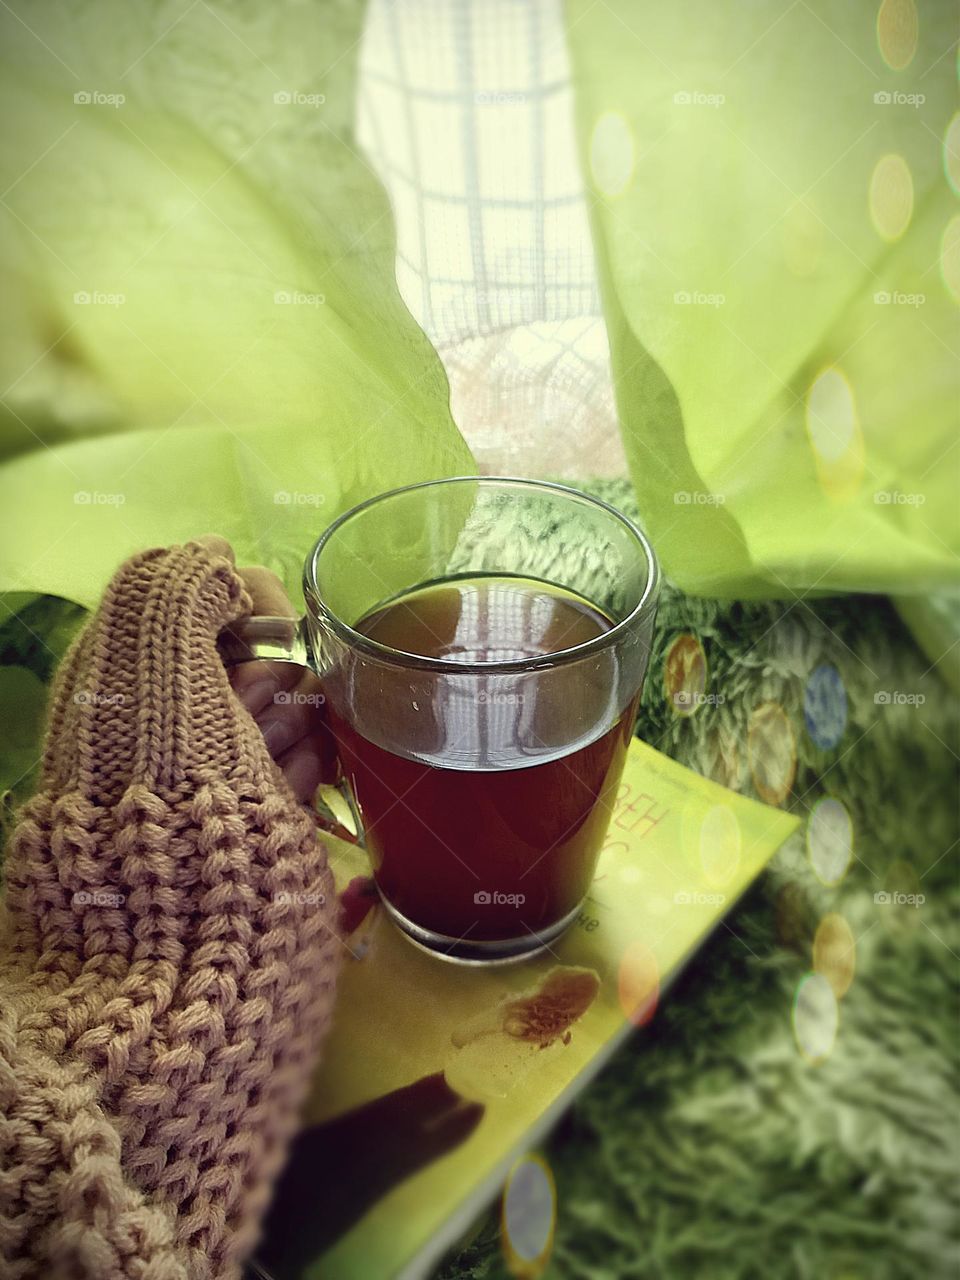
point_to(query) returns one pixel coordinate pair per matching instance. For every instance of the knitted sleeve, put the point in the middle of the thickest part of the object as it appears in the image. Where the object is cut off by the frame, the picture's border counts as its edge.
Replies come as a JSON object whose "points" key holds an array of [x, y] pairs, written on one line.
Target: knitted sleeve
{"points": [[168, 951]]}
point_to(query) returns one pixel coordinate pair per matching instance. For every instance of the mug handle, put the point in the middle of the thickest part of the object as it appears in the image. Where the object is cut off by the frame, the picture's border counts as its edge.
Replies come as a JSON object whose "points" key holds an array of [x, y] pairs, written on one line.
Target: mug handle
{"points": [[275, 639]]}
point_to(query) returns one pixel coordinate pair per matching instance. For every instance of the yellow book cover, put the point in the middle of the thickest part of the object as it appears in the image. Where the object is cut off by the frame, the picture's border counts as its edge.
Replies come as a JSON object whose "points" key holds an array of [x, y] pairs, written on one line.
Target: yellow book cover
{"points": [[437, 1076]]}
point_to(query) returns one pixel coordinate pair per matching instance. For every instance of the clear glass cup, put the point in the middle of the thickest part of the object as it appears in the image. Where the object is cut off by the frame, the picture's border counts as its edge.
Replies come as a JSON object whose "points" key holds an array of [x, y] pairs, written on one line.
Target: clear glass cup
{"points": [[482, 780]]}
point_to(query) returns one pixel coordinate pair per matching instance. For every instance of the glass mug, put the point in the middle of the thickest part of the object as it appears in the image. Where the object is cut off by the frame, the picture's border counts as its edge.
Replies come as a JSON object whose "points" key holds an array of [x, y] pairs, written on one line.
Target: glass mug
{"points": [[482, 644]]}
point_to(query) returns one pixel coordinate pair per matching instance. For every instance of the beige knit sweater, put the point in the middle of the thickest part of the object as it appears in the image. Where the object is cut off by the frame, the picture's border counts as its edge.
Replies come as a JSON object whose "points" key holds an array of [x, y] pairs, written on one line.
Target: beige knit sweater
{"points": [[168, 951]]}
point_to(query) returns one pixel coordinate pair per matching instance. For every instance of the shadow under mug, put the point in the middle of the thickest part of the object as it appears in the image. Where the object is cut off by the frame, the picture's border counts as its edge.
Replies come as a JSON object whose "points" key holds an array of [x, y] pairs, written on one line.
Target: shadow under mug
{"points": [[482, 789]]}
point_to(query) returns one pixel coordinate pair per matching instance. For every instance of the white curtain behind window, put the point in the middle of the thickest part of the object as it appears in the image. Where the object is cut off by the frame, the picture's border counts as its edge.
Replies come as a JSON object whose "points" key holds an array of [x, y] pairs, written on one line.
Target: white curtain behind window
{"points": [[465, 111]]}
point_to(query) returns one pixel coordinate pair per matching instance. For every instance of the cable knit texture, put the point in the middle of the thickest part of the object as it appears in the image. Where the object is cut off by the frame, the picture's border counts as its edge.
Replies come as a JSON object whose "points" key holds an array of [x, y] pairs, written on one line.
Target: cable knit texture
{"points": [[169, 951]]}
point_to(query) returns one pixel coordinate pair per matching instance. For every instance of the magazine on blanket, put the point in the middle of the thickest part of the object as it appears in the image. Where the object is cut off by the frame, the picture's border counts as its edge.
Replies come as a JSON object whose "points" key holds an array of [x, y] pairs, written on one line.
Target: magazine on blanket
{"points": [[437, 1077]]}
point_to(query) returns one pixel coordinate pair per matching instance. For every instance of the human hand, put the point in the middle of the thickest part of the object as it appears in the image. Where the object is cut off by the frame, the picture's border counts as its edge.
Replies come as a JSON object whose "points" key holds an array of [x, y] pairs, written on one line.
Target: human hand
{"points": [[294, 727]]}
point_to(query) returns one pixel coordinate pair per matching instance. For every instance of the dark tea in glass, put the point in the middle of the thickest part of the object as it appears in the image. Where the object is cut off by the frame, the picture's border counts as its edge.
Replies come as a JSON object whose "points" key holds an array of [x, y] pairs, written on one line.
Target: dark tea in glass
{"points": [[471, 837]]}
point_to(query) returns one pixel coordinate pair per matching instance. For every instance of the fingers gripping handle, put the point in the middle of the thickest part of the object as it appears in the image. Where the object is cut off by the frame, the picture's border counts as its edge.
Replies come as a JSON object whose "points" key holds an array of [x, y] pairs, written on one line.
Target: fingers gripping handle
{"points": [[287, 640]]}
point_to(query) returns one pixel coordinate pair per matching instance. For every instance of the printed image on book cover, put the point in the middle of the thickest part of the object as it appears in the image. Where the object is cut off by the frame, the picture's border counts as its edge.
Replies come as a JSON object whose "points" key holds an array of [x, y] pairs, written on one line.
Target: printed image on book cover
{"points": [[437, 1076]]}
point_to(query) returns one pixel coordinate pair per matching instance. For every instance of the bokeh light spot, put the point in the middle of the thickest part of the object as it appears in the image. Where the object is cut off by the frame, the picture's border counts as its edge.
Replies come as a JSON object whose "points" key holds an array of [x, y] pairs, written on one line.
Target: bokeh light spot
{"points": [[829, 840], [612, 154], [951, 153], [685, 674], [772, 752], [720, 844], [831, 414], [897, 32], [891, 197], [528, 1217], [638, 983], [950, 256], [825, 706], [834, 433], [816, 1017], [834, 953]]}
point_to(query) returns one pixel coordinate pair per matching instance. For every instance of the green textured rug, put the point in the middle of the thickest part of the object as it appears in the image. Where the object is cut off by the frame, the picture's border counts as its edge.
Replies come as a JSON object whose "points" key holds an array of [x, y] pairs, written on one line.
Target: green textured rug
{"points": [[712, 1146]]}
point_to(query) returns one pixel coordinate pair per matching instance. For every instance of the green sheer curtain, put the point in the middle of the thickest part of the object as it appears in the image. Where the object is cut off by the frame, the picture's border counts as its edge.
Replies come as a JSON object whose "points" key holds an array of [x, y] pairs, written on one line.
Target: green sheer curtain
{"points": [[774, 200], [201, 327]]}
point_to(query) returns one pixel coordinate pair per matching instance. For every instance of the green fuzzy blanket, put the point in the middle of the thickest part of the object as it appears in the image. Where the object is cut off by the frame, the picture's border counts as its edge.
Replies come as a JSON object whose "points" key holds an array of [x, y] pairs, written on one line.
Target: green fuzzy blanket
{"points": [[711, 1146]]}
